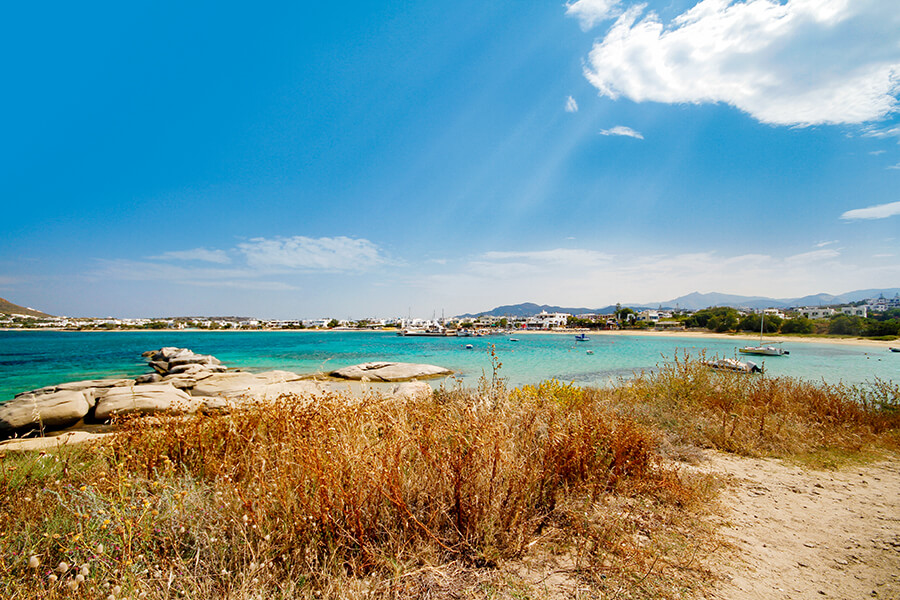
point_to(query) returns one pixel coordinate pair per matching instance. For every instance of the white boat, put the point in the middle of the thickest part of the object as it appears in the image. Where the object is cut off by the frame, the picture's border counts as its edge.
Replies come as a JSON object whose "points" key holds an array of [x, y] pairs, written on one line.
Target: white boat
{"points": [[763, 350], [514, 339], [731, 364], [430, 332]]}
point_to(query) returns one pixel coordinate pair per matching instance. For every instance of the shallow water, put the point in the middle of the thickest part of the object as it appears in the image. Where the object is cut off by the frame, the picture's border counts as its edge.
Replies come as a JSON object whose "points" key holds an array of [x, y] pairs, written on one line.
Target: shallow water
{"points": [[29, 360]]}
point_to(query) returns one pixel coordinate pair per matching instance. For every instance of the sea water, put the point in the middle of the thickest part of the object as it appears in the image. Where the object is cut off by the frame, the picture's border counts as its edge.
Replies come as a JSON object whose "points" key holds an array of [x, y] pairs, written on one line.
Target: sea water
{"points": [[32, 359]]}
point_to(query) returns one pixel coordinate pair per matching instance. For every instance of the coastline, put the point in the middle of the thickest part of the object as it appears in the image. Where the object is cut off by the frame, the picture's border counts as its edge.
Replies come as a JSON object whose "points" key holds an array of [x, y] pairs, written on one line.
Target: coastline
{"points": [[692, 334], [769, 339]]}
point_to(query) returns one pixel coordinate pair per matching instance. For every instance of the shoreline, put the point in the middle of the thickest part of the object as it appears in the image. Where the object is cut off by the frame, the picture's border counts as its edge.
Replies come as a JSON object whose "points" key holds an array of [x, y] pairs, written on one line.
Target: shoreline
{"points": [[688, 334]]}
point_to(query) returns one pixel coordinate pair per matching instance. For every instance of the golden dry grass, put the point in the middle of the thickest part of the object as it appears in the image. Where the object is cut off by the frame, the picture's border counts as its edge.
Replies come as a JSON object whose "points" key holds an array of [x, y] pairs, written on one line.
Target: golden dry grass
{"points": [[483, 493]]}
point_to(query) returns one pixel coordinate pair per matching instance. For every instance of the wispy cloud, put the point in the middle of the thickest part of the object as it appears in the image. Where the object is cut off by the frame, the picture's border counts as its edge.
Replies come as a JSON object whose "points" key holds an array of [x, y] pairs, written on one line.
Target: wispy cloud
{"points": [[623, 131], [571, 105], [877, 152], [796, 62], [881, 133], [879, 211], [591, 12], [828, 243], [260, 263], [601, 279], [198, 254], [567, 256], [304, 253], [812, 256]]}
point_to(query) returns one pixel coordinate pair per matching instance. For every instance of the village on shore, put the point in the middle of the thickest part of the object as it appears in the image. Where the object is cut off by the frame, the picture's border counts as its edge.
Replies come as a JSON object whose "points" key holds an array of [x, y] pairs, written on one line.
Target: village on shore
{"points": [[871, 317]]}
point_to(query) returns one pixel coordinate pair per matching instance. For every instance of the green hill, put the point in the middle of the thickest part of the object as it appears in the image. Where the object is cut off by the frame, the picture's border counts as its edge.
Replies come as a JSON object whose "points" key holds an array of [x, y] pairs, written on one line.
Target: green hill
{"points": [[7, 307]]}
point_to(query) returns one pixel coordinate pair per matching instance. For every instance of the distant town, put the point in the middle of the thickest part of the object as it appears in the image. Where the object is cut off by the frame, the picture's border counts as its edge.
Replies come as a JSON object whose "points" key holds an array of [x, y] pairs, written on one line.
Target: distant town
{"points": [[872, 317]]}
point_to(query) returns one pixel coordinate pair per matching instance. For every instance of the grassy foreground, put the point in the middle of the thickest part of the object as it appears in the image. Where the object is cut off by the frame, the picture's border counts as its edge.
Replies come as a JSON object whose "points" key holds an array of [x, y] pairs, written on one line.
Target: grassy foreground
{"points": [[485, 493]]}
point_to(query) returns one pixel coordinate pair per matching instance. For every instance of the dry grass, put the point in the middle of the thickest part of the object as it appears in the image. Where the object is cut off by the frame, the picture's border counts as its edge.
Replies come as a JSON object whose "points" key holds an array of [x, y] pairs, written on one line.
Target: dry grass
{"points": [[473, 493]]}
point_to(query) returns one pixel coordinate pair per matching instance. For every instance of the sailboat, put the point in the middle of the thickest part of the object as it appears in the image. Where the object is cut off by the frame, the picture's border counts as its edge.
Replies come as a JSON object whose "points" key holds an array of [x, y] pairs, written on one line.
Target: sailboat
{"points": [[763, 350]]}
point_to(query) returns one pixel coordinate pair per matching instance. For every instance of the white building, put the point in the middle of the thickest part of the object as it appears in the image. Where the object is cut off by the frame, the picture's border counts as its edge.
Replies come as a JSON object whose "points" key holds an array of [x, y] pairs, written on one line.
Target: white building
{"points": [[545, 320], [816, 312]]}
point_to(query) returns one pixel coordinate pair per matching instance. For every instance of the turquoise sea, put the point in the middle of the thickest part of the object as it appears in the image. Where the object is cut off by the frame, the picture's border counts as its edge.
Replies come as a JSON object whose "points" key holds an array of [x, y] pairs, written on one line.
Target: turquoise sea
{"points": [[30, 360]]}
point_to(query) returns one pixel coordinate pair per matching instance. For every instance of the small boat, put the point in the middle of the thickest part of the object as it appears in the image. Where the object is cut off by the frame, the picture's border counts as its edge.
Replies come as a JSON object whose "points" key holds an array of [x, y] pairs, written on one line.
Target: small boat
{"points": [[463, 333], [514, 339], [763, 350], [469, 346], [430, 332], [590, 351], [894, 349], [581, 337], [733, 365]]}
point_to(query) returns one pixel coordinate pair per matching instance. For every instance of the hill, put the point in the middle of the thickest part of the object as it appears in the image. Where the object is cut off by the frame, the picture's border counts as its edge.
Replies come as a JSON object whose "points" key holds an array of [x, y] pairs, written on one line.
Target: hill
{"points": [[694, 301], [7, 307]]}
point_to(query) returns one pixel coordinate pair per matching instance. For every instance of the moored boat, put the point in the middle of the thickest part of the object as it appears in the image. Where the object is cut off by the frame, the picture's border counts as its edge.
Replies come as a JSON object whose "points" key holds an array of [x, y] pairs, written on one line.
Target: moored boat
{"points": [[581, 337], [734, 365]]}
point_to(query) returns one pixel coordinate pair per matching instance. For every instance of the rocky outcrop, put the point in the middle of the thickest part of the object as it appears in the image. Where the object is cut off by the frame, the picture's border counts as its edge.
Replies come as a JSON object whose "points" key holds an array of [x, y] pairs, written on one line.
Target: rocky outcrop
{"points": [[144, 399], [185, 382], [389, 371], [43, 411]]}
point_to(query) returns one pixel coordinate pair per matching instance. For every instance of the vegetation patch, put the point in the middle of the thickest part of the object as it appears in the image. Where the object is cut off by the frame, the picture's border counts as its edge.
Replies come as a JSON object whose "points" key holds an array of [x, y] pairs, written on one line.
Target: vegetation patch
{"points": [[472, 493]]}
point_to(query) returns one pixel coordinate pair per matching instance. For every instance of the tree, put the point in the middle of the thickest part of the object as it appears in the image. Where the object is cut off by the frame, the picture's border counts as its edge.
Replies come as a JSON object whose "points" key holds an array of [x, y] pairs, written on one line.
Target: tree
{"points": [[798, 325], [333, 323], [845, 325]]}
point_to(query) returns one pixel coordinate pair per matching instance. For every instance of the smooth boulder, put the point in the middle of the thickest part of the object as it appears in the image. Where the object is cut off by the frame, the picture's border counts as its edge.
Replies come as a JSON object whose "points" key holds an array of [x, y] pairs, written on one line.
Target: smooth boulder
{"points": [[389, 371], [53, 410], [144, 399]]}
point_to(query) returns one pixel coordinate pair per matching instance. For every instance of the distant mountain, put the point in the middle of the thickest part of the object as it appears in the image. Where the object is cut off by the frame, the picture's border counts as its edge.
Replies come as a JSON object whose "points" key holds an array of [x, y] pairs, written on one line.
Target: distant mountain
{"points": [[7, 307], [693, 301], [696, 300], [527, 309]]}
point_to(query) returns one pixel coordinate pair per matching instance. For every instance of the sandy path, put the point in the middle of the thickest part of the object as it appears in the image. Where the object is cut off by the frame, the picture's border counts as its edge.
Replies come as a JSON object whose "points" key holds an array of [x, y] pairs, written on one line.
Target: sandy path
{"points": [[801, 534]]}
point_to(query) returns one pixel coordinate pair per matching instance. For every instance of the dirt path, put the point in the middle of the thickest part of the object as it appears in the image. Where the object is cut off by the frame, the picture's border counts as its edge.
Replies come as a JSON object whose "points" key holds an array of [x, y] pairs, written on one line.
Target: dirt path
{"points": [[802, 534]]}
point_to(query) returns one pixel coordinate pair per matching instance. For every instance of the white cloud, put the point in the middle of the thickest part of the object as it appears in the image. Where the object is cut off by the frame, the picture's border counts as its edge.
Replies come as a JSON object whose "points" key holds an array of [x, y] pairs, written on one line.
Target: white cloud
{"points": [[812, 256], [591, 12], [798, 62], [566, 256], [508, 277], [201, 254], [303, 253], [828, 243], [623, 131], [879, 211], [881, 133], [897, 166], [571, 105], [877, 152]]}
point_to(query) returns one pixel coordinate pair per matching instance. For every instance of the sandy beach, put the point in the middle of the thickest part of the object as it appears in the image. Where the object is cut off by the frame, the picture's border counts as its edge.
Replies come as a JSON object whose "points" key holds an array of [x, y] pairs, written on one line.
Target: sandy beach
{"points": [[769, 339]]}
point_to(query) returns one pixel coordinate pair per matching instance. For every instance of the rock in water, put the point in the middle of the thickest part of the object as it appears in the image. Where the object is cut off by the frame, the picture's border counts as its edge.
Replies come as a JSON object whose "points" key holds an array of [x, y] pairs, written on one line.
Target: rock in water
{"points": [[389, 371]]}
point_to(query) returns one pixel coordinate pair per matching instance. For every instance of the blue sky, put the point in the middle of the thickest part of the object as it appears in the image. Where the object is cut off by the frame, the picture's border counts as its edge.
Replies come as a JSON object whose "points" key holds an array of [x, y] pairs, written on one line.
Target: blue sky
{"points": [[356, 160]]}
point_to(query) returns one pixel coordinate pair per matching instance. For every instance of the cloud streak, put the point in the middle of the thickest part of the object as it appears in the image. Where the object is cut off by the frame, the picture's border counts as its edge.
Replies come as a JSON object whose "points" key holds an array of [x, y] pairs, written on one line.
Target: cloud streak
{"points": [[197, 254], [304, 253], [798, 63], [879, 211], [621, 130], [591, 12], [571, 105]]}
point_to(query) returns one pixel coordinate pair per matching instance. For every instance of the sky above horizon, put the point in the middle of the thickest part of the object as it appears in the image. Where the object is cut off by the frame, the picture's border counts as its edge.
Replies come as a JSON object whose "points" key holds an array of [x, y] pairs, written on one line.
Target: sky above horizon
{"points": [[354, 160]]}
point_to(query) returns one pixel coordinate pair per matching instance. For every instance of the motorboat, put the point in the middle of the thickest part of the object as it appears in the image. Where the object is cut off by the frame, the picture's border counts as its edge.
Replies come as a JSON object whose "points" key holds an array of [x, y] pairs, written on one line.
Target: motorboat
{"points": [[514, 339], [733, 365], [581, 337], [430, 332], [894, 349]]}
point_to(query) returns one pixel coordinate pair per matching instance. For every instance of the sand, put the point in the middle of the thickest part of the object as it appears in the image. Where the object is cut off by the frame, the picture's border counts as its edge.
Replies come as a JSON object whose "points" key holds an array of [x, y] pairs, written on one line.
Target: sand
{"points": [[798, 533], [748, 338]]}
